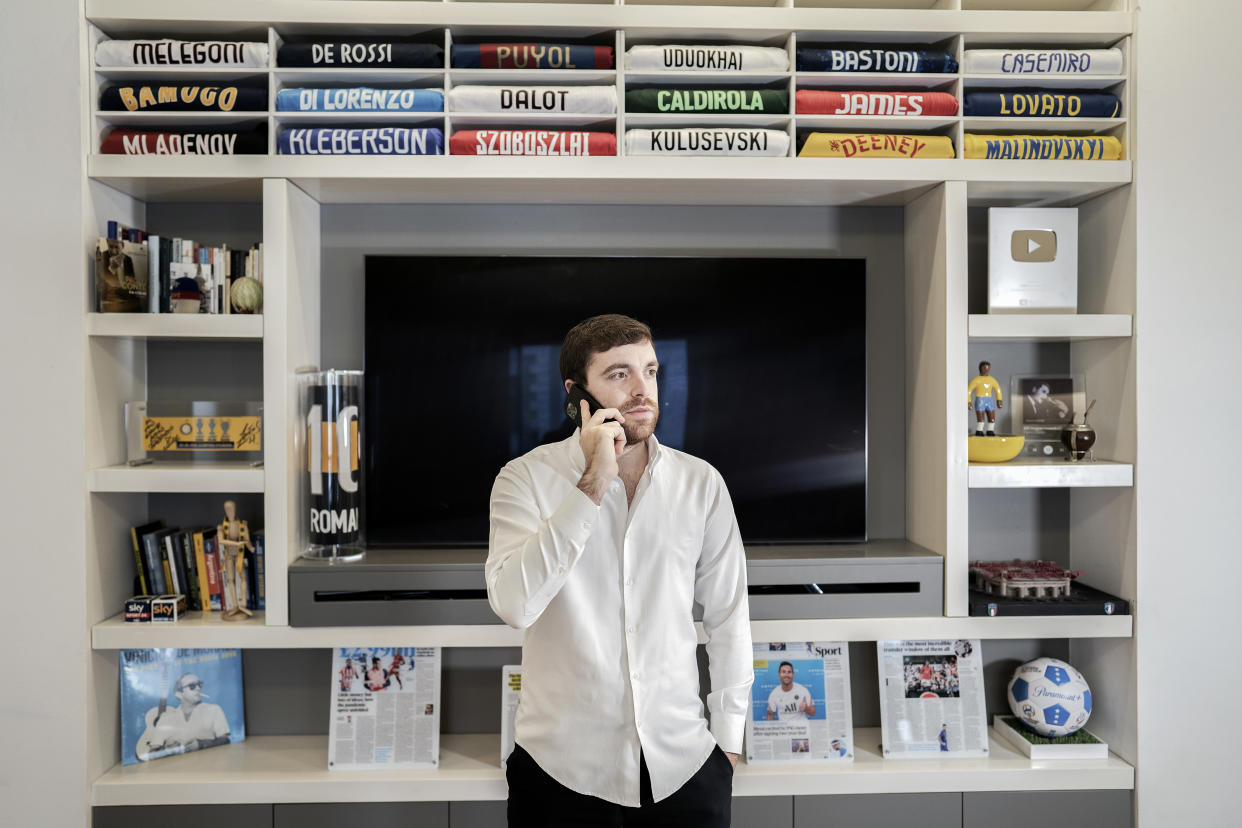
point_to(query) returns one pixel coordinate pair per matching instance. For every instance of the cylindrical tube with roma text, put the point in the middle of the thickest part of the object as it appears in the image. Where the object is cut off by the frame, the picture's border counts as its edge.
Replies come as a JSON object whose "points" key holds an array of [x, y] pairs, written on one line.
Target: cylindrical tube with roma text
{"points": [[330, 448]]}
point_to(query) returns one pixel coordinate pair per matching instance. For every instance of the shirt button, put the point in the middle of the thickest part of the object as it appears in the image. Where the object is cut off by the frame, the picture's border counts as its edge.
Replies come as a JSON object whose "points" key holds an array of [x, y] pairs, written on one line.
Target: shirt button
{"points": [[634, 676], [629, 582], [631, 628]]}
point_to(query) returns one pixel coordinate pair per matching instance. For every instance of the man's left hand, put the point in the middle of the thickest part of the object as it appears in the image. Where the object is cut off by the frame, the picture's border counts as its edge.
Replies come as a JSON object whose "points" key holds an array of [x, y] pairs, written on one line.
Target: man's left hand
{"points": [[733, 757]]}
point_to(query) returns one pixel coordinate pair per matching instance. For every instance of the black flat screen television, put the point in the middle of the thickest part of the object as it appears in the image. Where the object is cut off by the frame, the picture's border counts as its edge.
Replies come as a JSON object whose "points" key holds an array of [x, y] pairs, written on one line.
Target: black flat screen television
{"points": [[763, 373]]}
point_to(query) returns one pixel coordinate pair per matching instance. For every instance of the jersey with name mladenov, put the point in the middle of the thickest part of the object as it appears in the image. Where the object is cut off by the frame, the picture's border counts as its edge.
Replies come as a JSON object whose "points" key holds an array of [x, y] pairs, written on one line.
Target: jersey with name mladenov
{"points": [[785, 704]]}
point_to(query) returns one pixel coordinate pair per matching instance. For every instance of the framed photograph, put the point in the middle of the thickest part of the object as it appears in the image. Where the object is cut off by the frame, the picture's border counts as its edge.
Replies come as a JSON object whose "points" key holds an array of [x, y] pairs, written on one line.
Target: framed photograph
{"points": [[1043, 404]]}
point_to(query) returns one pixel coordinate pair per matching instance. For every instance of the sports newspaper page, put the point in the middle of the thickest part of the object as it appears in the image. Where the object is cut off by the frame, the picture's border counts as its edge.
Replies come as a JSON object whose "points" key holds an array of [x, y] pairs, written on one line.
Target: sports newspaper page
{"points": [[385, 708], [510, 692], [931, 699], [800, 703]]}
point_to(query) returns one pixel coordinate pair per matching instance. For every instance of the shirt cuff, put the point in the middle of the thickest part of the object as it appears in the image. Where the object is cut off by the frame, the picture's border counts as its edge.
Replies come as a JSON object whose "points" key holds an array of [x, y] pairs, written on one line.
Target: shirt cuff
{"points": [[576, 517], [728, 729]]}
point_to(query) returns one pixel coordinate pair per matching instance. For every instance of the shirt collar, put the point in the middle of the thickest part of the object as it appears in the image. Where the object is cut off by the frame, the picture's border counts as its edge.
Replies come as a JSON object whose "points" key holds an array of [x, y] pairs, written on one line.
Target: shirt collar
{"points": [[577, 460]]}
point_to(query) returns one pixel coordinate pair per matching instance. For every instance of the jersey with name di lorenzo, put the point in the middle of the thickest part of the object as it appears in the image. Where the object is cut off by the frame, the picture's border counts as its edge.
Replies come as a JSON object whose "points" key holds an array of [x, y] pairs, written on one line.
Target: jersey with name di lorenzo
{"points": [[531, 142], [186, 142], [592, 100], [531, 56], [361, 141], [708, 101], [875, 145], [784, 704], [1042, 103], [359, 99], [207, 53], [716, 142], [828, 102], [367, 53], [682, 58], [151, 97], [863, 59], [1044, 147]]}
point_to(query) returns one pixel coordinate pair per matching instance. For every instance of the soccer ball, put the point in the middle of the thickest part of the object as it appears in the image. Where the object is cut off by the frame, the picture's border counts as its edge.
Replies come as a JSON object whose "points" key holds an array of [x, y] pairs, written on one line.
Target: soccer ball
{"points": [[1050, 697]]}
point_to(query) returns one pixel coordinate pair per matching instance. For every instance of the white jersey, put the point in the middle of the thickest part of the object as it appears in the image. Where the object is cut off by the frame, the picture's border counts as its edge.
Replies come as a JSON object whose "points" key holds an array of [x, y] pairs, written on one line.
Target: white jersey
{"points": [[784, 704]]}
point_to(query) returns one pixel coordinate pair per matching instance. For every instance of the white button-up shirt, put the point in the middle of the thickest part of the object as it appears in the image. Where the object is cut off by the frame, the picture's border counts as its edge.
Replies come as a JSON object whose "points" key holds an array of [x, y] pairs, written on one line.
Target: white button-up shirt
{"points": [[605, 594]]}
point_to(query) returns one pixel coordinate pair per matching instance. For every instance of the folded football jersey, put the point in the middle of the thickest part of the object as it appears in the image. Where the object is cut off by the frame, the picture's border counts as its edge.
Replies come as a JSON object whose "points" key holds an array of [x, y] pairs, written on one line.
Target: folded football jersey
{"points": [[1042, 103], [1044, 147], [681, 58], [186, 141], [205, 53], [368, 53], [359, 99], [1042, 61], [873, 59], [705, 100], [591, 100], [531, 56], [875, 145], [167, 97], [361, 141], [531, 142], [699, 141], [827, 102]]}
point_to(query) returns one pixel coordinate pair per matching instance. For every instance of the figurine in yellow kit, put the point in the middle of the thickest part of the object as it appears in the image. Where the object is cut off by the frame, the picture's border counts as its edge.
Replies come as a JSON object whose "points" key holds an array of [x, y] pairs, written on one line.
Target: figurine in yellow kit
{"points": [[987, 399]]}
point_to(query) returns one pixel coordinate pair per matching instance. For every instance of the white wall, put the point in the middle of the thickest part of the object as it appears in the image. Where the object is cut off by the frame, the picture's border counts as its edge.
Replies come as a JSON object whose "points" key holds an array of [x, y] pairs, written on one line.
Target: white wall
{"points": [[1189, 337], [42, 714]]}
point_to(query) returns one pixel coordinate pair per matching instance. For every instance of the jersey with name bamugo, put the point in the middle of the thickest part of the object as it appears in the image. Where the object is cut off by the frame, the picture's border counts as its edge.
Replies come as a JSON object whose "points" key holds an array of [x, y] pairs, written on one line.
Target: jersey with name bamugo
{"points": [[605, 595], [183, 97]]}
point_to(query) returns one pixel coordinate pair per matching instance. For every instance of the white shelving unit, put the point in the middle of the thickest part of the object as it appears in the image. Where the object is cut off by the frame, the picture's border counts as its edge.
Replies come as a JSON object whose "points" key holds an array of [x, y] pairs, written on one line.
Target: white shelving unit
{"points": [[935, 196]]}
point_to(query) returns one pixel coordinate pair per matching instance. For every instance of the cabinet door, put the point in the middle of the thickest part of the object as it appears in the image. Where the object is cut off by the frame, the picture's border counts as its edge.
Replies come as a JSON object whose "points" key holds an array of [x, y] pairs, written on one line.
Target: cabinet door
{"points": [[762, 812], [183, 816], [336, 814], [879, 811], [1039, 809], [478, 814]]}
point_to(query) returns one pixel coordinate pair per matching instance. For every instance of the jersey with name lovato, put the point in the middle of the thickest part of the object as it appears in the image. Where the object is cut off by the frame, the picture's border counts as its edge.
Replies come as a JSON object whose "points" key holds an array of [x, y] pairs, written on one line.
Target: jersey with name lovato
{"points": [[865, 59], [1043, 103], [825, 102], [531, 56], [359, 99], [361, 141], [531, 142], [203, 141], [708, 101], [206, 53], [156, 97], [364, 53], [875, 145], [681, 58], [592, 100]]}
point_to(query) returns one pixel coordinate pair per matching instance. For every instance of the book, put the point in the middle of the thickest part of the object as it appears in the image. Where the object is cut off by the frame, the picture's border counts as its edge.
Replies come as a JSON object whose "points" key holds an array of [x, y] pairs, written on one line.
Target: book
{"points": [[212, 560], [260, 569], [200, 570], [157, 565], [177, 701], [185, 540], [121, 272], [176, 577], [136, 534]]}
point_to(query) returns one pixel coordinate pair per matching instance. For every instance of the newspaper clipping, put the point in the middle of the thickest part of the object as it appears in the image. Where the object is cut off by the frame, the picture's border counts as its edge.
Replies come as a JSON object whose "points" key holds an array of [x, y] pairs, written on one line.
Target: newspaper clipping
{"points": [[800, 703], [385, 708], [931, 699], [510, 692]]}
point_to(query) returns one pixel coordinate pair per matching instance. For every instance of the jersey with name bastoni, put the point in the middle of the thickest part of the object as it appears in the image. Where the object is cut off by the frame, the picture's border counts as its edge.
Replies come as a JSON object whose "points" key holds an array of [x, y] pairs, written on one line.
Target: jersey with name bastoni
{"points": [[531, 142], [188, 141], [684, 58], [1042, 61], [586, 100], [531, 56], [202, 53], [167, 97], [346, 54], [359, 99], [361, 141], [1044, 147], [875, 145], [1042, 103], [718, 142], [863, 102], [874, 59], [708, 101]]}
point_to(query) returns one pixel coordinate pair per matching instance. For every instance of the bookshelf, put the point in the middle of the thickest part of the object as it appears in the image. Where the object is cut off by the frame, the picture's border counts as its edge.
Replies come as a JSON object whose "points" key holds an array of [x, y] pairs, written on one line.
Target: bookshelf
{"points": [[295, 195]]}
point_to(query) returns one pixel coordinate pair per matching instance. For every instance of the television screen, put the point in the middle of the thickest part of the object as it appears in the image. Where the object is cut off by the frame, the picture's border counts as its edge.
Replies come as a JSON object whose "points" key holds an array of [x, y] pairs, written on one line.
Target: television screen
{"points": [[762, 374]]}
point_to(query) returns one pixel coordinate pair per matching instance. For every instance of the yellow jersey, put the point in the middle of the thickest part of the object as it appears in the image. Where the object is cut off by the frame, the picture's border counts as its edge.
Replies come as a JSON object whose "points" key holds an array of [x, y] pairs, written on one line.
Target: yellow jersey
{"points": [[984, 386]]}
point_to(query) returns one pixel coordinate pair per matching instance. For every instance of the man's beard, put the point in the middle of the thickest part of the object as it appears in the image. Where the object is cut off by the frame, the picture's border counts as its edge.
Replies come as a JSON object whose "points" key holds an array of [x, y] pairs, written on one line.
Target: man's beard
{"points": [[638, 432]]}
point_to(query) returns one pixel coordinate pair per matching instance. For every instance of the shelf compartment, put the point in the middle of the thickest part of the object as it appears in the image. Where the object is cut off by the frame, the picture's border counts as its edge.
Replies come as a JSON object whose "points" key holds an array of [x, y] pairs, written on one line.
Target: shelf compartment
{"points": [[173, 476], [275, 769], [209, 630], [1059, 126], [1048, 327], [175, 325], [1050, 474], [875, 123]]}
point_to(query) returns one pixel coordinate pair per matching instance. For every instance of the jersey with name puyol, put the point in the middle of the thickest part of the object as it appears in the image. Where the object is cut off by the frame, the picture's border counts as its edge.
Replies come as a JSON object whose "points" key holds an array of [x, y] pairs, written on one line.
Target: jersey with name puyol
{"points": [[531, 56]]}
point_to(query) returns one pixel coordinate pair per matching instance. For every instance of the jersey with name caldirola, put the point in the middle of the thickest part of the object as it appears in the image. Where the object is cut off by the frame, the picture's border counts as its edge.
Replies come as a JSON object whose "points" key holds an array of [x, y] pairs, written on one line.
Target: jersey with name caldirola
{"points": [[531, 56], [531, 142], [717, 142], [875, 145], [590, 100], [861, 102], [708, 101], [722, 58], [359, 99], [189, 141], [1044, 147], [202, 53], [874, 59], [346, 54], [1042, 103], [193, 97], [361, 141], [1042, 61]]}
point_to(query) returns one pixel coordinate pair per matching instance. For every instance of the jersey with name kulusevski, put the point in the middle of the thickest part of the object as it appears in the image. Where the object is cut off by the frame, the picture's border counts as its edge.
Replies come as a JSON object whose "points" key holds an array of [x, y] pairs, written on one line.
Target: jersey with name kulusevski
{"points": [[586, 100], [708, 101], [220, 54], [184, 97], [203, 140], [874, 59], [359, 99], [864, 102], [531, 56], [1042, 61], [785, 704], [368, 53], [1044, 147], [386, 140], [531, 142], [875, 145], [721, 58], [1042, 103], [719, 141]]}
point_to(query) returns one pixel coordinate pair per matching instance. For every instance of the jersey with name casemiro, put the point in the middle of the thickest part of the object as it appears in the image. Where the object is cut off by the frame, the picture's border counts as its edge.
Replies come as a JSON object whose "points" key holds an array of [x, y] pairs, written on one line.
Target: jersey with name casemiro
{"points": [[784, 704], [1042, 61]]}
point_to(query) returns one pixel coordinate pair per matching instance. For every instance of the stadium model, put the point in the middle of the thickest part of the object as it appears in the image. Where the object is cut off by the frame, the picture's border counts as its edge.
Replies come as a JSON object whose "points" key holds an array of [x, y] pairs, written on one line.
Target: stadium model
{"points": [[1022, 579]]}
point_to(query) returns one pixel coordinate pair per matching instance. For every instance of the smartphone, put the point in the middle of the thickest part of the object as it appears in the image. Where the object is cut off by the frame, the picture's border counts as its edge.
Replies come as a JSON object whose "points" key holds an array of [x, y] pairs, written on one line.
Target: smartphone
{"points": [[573, 404]]}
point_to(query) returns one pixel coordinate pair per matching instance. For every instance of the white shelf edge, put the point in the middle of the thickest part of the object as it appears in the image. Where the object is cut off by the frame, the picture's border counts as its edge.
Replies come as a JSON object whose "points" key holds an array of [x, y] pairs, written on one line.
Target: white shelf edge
{"points": [[209, 630], [276, 769], [175, 325], [1044, 474], [1057, 327], [176, 477]]}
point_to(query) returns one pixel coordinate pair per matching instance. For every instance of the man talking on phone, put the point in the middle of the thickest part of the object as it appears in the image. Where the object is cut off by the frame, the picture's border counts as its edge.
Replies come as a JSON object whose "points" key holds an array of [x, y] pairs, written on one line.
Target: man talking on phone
{"points": [[600, 546]]}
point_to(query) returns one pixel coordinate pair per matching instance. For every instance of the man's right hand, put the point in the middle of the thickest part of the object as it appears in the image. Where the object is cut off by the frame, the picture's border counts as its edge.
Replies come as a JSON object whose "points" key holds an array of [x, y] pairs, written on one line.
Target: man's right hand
{"points": [[601, 442]]}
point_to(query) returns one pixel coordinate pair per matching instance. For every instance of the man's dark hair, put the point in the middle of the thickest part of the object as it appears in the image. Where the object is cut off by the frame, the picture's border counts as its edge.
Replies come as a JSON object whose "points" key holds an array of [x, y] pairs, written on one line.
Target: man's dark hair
{"points": [[784, 664], [594, 336], [981, 364]]}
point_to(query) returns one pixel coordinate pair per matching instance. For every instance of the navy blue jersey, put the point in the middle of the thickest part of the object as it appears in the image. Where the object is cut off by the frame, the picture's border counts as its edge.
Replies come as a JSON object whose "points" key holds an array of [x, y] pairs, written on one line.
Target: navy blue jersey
{"points": [[346, 54], [871, 59], [1043, 103], [170, 97]]}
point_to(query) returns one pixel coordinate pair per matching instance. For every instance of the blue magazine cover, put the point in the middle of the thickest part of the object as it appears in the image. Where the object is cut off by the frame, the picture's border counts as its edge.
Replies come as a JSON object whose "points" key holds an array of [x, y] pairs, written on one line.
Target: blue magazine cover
{"points": [[177, 701]]}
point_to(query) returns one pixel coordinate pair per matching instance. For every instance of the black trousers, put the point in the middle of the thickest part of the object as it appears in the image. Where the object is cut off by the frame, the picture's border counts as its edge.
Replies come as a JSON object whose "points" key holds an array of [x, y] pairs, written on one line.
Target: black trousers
{"points": [[536, 800]]}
